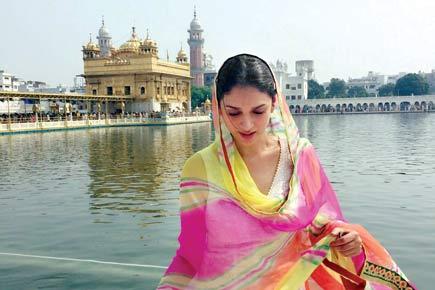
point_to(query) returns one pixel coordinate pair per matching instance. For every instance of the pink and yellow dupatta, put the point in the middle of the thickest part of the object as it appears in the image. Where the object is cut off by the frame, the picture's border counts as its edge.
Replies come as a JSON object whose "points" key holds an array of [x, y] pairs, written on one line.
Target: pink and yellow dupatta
{"points": [[234, 237]]}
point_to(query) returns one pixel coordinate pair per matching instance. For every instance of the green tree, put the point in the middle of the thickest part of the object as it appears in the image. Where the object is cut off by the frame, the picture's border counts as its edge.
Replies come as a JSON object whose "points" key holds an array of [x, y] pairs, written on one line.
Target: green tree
{"points": [[411, 84], [315, 90], [357, 92], [387, 90], [337, 88], [199, 95]]}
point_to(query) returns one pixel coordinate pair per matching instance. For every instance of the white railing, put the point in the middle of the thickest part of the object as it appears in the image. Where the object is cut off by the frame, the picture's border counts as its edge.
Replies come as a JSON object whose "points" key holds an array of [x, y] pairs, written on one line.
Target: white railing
{"points": [[53, 125]]}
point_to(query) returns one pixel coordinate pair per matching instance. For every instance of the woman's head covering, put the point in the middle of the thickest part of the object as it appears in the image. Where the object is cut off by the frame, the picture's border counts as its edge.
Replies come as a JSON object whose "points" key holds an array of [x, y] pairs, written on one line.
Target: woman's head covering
{"points": [[281, 124]]}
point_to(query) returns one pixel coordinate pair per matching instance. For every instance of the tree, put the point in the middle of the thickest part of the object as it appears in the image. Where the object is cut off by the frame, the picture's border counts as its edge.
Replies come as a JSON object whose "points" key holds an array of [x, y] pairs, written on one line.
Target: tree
{"points": [[357, 92], [199, 95], [337, 88], [315, 90], [387, 90], [411, 84]]}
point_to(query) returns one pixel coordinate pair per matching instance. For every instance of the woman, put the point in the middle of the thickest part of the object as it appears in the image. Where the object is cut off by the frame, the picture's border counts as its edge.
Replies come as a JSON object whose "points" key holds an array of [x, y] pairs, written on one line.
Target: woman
{"points": [[257, 210]]}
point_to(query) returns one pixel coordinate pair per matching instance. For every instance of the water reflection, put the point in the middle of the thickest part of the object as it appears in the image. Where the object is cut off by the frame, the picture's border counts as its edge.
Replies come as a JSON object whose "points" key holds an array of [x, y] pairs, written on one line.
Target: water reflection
{"points": [[137, 169]]}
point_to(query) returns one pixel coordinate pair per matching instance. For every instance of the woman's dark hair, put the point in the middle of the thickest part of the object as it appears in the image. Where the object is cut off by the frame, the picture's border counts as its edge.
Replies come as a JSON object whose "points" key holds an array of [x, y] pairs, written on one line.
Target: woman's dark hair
{"points": [[245, 70]]}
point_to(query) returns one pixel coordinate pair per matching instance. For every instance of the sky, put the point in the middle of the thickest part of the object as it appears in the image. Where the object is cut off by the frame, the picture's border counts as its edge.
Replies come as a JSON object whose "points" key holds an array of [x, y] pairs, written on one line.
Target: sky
{"points": [[42, 40]]}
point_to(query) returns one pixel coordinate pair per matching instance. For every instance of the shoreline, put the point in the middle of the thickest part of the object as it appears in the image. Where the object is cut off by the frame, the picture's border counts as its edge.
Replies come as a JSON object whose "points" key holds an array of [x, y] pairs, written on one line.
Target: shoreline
{"points": [[43, 127]]}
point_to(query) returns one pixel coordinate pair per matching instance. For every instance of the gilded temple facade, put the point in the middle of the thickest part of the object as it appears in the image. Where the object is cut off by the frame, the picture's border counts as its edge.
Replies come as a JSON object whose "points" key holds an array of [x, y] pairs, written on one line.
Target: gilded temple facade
{"points": [[135, 70]]}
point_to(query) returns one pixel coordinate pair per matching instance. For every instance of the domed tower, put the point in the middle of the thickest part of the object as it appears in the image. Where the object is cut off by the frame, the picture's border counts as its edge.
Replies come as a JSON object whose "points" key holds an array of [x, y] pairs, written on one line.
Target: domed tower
{"points": [[182, 56], [149, 46], [91, 50], [196, 43], [132, 45], [104, 40], [305, 69]]}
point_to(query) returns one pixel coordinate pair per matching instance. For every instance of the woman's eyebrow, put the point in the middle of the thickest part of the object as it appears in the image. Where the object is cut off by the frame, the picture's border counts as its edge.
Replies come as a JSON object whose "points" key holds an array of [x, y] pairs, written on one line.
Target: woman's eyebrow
{"points": [[237, 108]]}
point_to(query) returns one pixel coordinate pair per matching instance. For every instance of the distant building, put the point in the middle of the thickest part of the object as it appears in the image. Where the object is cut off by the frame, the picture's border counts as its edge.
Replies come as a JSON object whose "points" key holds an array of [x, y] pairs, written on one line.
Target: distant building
{"points": [[7, 82], [305, 68], [26, 86], [59, 89], [209, 70], [392, 79], [79, 85], [135, 69], [372, 82], [293, 87], [196, 44], [430, 78]]}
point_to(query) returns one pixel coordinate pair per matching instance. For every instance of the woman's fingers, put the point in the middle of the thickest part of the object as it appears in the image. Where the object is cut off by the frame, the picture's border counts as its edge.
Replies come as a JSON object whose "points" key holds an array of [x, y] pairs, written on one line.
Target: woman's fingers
{"points": [[343, 238], [346, 247], [347, 243]]}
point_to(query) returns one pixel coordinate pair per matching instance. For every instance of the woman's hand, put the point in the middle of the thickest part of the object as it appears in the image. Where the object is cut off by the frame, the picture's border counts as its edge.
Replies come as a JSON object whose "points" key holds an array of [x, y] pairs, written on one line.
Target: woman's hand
{"points": [[348, 243]]}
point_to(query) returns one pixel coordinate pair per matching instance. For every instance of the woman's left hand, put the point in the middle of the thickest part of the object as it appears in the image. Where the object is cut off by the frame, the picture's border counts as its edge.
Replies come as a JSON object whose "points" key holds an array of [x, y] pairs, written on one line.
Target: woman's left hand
{"points": [[348, 243]]}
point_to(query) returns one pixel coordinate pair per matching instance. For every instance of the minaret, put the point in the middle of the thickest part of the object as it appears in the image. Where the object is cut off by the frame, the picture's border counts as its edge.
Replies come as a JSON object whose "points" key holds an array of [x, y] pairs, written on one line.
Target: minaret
{"points": [[104, 40], [91, 50], [196, 42]]}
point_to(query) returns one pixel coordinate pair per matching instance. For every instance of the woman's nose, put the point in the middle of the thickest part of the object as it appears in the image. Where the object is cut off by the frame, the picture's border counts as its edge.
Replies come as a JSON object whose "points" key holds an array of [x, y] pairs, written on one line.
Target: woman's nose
{"points": [[246, 124]]}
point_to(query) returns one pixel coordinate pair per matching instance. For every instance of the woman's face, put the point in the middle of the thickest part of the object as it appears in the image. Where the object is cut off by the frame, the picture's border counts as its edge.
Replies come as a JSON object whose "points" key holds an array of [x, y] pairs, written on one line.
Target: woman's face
{"points": [[246, 113]]}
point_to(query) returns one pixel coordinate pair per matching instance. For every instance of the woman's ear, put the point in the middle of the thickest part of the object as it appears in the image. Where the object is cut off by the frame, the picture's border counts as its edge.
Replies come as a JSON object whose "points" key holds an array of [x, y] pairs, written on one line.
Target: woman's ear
{"points": [[274, 102]]}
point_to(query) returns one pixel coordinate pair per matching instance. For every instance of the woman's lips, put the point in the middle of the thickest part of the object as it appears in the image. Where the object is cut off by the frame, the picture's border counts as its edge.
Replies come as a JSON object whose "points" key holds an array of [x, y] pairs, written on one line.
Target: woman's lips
{"points": [[247, 136]]}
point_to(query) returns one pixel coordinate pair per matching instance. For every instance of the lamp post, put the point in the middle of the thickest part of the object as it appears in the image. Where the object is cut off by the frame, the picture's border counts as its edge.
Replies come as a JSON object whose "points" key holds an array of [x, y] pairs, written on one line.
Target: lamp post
{"points": [[106, 109], [9, 116], [64, 108], [40, 114]]}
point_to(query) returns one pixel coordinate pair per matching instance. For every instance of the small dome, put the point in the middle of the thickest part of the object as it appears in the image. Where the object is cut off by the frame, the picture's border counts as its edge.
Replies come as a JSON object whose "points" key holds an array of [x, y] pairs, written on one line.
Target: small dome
{"points": [[103, 32], [92, 45], [207, 102], [182, 53], [194, 24], [132, 45], [148, 42]]}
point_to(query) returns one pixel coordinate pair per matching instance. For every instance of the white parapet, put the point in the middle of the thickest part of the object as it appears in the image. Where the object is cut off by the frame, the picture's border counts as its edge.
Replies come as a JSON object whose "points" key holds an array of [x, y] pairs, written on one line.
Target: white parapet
{"points": [[65, 125]]}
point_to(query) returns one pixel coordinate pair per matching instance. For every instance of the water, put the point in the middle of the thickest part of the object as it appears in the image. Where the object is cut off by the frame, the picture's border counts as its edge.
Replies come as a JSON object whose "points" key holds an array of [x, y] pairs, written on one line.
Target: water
{"points": [[112, 195]]}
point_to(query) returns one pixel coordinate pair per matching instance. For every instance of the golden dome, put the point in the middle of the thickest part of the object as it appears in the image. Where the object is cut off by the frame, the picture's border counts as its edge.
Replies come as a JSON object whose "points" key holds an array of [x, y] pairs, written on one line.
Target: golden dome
{"points": [[181, 56], [148, 42], [182, 53], [207, 102], [91, 45], [132, 45]]}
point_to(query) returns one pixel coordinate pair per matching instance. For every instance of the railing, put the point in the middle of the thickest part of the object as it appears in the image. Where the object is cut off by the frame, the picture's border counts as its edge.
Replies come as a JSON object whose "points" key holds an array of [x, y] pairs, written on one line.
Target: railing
{"points": [[32, 118], [333, 110], [59, 122]]}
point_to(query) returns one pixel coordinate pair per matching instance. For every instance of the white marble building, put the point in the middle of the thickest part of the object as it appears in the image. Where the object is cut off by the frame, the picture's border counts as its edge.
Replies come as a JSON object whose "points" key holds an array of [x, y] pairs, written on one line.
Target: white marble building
{"points": [[293, 87], [371, 83], [7, 82]]}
